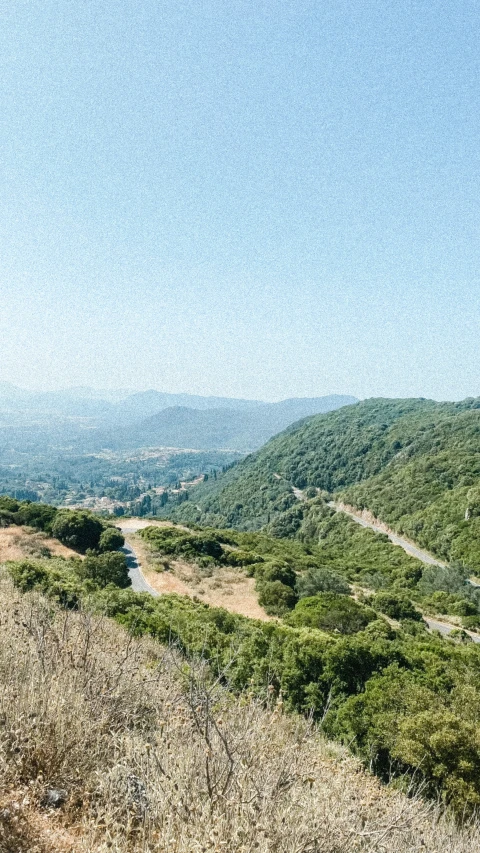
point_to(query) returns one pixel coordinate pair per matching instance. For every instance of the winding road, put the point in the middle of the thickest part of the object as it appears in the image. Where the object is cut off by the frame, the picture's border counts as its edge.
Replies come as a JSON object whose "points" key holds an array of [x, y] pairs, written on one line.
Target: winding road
{"points": [[444, 628], [379, 527], [139, 584]]}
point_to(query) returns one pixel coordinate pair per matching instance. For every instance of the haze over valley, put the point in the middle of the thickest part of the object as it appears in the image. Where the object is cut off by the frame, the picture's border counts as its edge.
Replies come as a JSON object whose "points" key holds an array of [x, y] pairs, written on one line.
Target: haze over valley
{"points": [[121, 450]]}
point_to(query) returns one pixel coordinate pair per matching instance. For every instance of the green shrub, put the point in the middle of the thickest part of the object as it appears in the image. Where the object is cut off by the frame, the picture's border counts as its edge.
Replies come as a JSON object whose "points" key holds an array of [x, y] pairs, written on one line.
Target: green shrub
{"points": [[406, 701], [181, 543], [28, 574], [241, 558], [104, 569], [276, 597], [77, 529], [396, 606], [330, 611], [276, 571], [450, 603], [36, 515], [319, 579], [111, 539]]}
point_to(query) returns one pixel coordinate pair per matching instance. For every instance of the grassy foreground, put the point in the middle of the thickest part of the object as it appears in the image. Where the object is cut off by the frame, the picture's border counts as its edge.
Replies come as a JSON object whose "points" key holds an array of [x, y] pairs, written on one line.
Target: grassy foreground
{"points": [[148, 753]]}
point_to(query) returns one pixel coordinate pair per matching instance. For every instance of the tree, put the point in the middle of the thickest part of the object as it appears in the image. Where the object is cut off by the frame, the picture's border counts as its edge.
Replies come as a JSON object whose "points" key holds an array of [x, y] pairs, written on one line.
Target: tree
{"points": [[318, 579], [111, 539], [78, 529], [103, 569], [276, 597], [331, 612], [395, 606]]}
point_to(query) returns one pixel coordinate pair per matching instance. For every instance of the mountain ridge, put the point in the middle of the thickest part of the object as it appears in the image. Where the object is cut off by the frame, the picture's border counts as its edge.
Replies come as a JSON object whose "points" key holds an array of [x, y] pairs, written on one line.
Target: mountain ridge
{"points": [[227, 428], [414, 463]]}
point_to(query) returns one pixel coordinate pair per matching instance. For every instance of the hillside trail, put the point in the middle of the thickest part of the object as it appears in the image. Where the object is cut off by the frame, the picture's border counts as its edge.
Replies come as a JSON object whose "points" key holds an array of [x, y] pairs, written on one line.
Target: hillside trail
{"points": [[130, 526], [366, 519]]}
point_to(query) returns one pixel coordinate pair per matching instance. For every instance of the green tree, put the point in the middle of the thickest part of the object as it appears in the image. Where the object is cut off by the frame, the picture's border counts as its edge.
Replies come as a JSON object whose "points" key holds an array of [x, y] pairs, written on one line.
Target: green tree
{"points": [[395, 606], [78, 529], [276, 597], [319, 579], [104, 569], [329, 611], [111, 539]]}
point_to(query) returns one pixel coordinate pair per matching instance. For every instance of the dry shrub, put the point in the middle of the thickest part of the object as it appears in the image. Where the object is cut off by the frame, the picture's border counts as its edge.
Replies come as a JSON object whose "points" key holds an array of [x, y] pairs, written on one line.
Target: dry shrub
{"points": [[33, 544], [155, 755]]}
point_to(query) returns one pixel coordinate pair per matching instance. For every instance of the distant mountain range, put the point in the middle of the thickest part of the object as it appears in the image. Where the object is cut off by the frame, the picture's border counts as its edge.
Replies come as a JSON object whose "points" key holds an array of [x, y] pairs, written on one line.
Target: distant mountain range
{"points": [[121, 419], [123, 404], [231, 428]]}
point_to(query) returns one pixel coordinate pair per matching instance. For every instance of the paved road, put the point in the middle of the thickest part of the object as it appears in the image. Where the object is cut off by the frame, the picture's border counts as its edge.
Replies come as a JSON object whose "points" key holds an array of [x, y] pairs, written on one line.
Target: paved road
{"points": [[139, 584], [407, 546], [445, 628], [434, 624]]}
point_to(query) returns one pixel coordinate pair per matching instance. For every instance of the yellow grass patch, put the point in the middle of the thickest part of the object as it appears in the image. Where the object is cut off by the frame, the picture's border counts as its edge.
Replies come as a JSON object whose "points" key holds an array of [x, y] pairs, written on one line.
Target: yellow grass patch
{"points": [[224, 587], [21, 543], [151, 757]]}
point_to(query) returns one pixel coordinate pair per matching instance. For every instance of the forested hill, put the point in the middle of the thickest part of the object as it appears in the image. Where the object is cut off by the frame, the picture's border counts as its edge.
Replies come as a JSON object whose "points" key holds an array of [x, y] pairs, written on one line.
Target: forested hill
{"points": [[243, 429], [415, 463]]}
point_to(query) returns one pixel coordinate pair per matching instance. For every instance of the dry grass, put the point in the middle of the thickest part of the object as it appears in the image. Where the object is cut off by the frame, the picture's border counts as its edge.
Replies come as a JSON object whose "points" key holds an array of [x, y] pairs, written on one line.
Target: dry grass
{"points": [[154, 756], [20, 543], [219, 586]]}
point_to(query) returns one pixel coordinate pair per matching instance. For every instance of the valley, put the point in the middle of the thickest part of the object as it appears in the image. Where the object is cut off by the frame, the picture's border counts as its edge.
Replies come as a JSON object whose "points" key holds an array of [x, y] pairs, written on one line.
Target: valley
{"points": [[334, 565]]}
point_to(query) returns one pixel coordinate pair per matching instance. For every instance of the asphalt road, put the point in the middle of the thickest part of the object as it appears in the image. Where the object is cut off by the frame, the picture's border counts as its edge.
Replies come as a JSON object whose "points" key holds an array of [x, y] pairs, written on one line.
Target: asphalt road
{"points": [[139, 584], [407, 546], [443, 627]]}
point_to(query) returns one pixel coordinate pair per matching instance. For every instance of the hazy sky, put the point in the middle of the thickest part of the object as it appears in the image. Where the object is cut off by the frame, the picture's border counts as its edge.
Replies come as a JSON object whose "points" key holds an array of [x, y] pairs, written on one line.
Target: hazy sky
{"points": [[262, 199]]}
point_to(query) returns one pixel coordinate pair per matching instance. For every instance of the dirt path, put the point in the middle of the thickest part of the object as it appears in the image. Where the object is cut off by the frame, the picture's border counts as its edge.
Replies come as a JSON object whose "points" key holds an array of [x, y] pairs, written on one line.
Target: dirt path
{"points": [[226, 587]]}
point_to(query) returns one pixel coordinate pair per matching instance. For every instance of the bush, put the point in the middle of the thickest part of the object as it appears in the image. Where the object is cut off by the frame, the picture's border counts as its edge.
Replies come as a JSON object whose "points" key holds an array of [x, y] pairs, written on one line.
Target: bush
{"points": [[36, 515], [451, 603], [241, 558], [276, 597], [104, 569], [173, 540], [318, 579], [27, 574], [276, 571], [331, 612], [111, 539], [397, 717], [78, 529], [396, 606]]}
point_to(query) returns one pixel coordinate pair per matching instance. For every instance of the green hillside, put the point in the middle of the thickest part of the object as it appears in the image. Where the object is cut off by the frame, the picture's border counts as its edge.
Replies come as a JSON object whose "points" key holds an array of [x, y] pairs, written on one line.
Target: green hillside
{"points": [[413, 463]]}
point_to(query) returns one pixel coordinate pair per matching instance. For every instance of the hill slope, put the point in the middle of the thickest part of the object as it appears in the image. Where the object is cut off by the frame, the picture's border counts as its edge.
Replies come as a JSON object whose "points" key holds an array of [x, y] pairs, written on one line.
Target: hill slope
{"points": [[414, 463], [243, 429], [140, 759]]}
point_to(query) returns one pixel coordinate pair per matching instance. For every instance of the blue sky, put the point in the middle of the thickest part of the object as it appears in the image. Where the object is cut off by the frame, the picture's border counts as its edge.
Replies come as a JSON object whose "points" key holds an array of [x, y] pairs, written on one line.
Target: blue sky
{"points": [[259, 199]]}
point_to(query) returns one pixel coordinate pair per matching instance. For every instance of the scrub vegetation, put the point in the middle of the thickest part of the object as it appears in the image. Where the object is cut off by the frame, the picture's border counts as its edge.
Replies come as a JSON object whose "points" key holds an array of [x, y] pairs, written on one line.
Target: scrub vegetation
{"points": [[407, 701], [347, 646], [111, 742], [413, 463]]}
